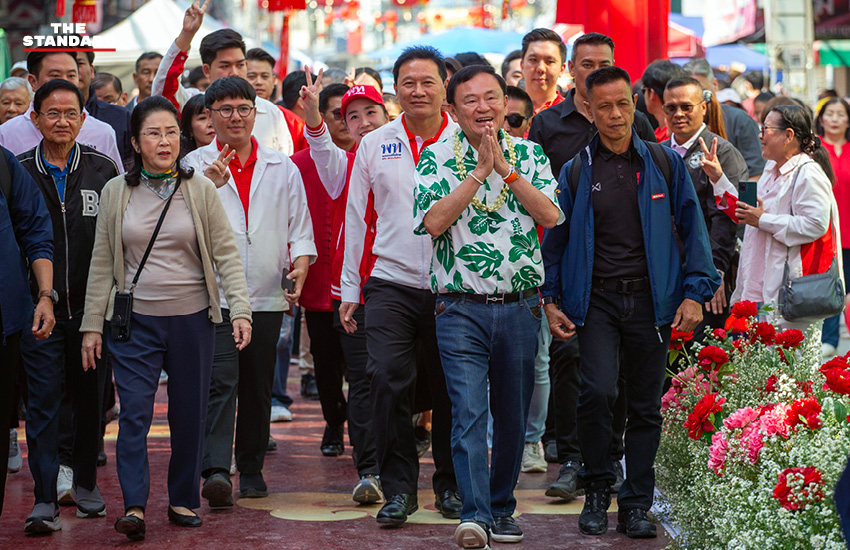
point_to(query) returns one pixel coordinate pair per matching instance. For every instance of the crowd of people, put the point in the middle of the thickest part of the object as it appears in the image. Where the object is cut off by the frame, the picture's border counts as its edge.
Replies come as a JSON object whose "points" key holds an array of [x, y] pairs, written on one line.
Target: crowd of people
{"points": [[495, 265]]}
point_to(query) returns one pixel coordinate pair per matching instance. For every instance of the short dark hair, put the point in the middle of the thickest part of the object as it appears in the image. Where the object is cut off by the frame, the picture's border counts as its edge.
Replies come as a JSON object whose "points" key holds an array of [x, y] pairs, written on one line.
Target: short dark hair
{"points": [[102, 79], [89, 56], [142, 110], [420, 52], [606, 75], [544, 35], [452, 65], [229, 87], [592, 39], [506, 64], [147, 56], [764, 97], [259, 54], [658, 73], [55, 85], [470, 58], [680, 81], [520, 95], [196, 75], [371, 72], [222, 39], [333, 90], [468, 73], [755, 78], [290, 89], [36, 59]]}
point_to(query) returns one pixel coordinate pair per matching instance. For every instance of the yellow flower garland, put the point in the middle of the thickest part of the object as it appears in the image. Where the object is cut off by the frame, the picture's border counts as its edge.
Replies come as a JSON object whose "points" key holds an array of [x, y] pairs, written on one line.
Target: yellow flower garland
{"points": [[461, 170]]}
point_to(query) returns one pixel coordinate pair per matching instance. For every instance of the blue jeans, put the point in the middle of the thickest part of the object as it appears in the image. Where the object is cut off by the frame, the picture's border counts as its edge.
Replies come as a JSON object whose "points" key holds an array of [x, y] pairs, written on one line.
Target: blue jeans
{"points": [[539, 408], [281, 369], [481, 343]]}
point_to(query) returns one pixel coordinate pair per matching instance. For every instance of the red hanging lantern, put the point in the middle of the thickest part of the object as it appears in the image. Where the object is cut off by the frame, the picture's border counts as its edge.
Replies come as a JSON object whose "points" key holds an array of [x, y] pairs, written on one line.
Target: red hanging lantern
{"points": [[60, 8], [85, 11]]}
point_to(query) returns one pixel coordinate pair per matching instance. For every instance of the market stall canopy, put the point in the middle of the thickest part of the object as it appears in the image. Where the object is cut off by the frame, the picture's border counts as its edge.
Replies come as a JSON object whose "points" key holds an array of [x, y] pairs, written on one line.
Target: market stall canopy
{"points": [[684, 36], [724, 56], [460, 39], [153, 27]]}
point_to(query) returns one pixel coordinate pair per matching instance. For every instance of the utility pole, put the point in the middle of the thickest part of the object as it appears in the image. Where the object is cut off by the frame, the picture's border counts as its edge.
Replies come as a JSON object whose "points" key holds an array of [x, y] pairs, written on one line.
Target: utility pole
{"points": [[789, 32]]}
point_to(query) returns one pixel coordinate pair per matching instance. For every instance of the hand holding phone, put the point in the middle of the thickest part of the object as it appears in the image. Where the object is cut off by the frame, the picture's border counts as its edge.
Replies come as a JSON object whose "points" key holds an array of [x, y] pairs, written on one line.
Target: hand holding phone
{"points": [[748, 192], [287, 285]]}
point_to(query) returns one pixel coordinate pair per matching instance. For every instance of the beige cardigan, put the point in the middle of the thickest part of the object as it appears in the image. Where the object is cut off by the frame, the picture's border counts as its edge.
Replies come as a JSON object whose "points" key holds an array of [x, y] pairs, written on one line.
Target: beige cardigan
{"points": [[215, 239]]}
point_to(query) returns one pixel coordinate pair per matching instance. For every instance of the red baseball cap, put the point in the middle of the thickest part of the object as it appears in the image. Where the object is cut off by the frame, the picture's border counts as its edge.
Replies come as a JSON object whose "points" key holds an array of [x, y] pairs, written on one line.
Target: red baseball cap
{"points": [[357, 92]]}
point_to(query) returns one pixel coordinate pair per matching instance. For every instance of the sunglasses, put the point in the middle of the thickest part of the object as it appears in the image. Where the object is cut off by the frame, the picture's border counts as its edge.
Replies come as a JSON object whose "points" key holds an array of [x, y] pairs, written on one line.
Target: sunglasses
{"points": [[515, 120], [671, 109]]}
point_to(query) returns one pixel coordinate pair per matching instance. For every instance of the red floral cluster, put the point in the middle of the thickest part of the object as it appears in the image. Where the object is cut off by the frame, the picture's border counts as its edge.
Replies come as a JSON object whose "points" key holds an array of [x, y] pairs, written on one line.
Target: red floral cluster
{"points": [[789, 338], [762, 332], [744, 309], [837, 373], [712, 357], [805, 411], [678, 339], [701, 420], [796, 488], [719, 333], [770, 386]]}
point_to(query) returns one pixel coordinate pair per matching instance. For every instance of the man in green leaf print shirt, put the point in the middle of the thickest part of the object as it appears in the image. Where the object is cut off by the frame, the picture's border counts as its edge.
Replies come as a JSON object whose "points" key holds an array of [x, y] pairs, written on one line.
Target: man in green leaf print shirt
{"points": [[481, 194]]}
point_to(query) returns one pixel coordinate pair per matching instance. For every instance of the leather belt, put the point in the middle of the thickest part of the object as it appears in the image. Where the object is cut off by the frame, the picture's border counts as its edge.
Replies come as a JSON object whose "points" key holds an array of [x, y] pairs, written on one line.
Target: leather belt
{"points": [[506, 298], [622, 286]]}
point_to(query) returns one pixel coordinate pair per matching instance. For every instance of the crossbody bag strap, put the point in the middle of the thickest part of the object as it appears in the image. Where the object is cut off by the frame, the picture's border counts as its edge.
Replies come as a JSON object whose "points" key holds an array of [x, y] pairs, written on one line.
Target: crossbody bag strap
{"points": [[791, 206], [153, 237]]}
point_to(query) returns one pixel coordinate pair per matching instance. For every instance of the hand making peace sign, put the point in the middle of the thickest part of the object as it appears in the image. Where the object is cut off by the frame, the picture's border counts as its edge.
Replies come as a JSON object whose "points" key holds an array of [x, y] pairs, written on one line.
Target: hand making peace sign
{"points": [[217, 171]]}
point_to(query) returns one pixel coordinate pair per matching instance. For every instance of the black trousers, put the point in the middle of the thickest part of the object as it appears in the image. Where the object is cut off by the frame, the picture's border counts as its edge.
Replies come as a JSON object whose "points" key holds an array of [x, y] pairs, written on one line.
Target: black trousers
{"points": [[55, 376], [401, 322], [247, 374], [10, 359], [359, 405], [329, 365], [621, 326], [563, 400]]}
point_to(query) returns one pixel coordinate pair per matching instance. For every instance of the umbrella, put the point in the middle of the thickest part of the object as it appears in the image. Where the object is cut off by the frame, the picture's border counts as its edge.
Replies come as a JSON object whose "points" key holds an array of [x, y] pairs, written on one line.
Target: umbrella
{"points": [[460, 39]]}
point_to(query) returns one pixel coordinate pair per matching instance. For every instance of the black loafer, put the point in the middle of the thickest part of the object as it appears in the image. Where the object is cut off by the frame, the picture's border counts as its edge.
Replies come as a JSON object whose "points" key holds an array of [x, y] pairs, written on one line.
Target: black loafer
{"points": [[189, 520], [448, 503], [132, 526], [635, 524], [252, 486], [218, 490], [397, 508], [332, 441]]}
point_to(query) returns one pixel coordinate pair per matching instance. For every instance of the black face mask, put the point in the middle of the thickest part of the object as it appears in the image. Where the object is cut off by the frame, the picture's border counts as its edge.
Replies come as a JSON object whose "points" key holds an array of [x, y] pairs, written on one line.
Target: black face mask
{"points": [[515, 120]]}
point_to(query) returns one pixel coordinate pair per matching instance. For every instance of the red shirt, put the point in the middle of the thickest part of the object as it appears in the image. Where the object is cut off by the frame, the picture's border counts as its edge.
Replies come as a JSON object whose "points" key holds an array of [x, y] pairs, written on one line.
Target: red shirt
{"points": [[841, 188], [413, 147], [242, 174], [661, 134], [557, 99], [296, 129]]}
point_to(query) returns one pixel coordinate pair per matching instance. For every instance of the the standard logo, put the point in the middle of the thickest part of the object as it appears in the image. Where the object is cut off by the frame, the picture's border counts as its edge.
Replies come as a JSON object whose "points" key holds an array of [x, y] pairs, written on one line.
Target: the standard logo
{"points": [[391, 151]]}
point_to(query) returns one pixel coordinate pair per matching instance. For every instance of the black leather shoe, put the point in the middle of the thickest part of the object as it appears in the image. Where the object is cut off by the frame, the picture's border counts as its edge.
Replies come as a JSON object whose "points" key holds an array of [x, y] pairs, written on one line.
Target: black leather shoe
{"points": [[132, 526], [397, 508], [635, 524], [332, 441], [505, 529], [252, 486], [218, 490], [621, 477], [594, 516], [308, 387], [448, 503], [567, 485], [190, 520], [550, 452]]}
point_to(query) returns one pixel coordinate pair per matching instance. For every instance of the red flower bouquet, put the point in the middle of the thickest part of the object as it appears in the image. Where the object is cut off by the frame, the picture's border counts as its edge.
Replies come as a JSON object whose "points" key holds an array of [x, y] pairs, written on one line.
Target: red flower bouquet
{"points": [[702, 419], [744, 309], [798, 487], [789, 338]]}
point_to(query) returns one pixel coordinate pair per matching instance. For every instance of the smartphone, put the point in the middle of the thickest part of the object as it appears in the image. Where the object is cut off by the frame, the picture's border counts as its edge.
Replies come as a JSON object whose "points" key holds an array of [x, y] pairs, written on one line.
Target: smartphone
{"points": [[747, 192], [287, 284]]}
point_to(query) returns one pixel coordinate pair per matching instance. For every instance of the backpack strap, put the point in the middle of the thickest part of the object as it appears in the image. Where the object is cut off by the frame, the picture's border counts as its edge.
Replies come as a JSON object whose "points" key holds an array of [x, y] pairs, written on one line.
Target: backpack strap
{"points": [[662, 161], [574, 174]]}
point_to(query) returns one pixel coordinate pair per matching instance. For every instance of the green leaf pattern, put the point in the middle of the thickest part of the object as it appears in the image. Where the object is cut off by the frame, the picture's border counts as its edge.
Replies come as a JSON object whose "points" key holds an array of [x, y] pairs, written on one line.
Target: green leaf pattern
{"points": [[483, 253]]}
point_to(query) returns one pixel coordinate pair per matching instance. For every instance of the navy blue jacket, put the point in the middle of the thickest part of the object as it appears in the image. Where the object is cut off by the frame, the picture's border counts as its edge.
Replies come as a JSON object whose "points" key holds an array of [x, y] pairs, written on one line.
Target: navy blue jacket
{"points": [[568, 248], [23, 212]]}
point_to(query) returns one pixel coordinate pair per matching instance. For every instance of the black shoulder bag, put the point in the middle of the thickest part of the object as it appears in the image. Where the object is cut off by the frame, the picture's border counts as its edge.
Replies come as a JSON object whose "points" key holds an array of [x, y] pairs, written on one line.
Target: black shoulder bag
{"points": [[122, 308], [811, 297]]}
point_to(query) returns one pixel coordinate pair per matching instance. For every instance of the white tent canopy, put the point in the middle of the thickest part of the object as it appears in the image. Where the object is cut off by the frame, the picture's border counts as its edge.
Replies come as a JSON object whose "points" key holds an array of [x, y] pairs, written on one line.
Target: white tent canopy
{"points": [[153, 27]]}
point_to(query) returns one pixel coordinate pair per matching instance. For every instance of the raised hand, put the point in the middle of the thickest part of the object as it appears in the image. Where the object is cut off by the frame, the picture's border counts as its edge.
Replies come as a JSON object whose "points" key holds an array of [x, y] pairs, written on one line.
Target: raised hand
{"points": [[217, 171], [709, 162], [192, 20], [485, 157], [500, 165], [310, 98], [349, 78]]}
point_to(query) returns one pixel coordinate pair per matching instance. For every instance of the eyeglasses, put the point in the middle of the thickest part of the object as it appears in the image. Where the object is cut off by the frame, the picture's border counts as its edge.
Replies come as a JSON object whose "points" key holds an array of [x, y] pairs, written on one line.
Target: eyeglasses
{"points": [[515, 120], [671, 109], [763, 128], [156, 135], [227, 111], [53, 116], [337, 114]]}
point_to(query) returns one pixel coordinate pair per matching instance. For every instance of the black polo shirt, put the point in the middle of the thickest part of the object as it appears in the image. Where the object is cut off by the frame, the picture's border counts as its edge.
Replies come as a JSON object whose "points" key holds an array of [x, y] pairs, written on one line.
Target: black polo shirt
{"points": [[562, 131], [618, 236]]}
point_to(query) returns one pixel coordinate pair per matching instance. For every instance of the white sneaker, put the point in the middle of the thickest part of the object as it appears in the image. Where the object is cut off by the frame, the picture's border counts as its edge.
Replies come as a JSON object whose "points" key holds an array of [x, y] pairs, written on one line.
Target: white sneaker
{"points": [[828, 351], [16, 461], [532, 460], [469, 534], [280, 414], [64, 484]]}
